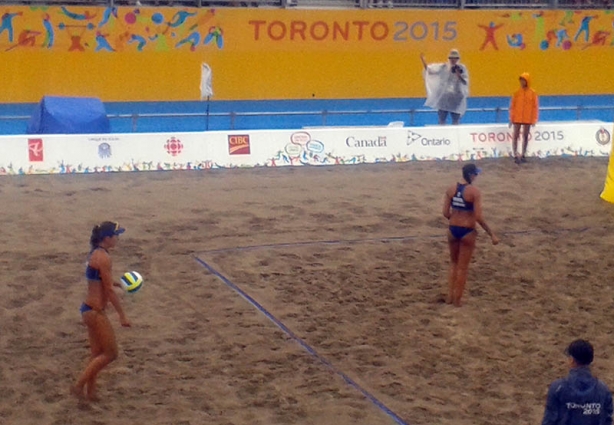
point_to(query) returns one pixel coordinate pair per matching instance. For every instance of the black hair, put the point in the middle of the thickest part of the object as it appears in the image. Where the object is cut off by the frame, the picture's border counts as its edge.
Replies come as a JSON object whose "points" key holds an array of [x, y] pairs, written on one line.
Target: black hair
{"points": [[468, 171], [581, 351], [467, 176], [99, 230]]}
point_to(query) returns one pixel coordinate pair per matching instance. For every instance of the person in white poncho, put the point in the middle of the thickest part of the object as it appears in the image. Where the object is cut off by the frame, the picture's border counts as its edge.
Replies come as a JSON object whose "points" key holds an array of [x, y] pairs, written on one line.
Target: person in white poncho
{"points": [[447, 87]]}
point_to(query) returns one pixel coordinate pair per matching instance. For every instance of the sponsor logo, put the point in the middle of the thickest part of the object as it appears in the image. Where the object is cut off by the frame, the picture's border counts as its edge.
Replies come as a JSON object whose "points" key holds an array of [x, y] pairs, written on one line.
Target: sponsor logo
{"points": [[413, 137], [238, 144], [104, 150], [603, 136], [173, 146], [378, 142], [35, 150]]}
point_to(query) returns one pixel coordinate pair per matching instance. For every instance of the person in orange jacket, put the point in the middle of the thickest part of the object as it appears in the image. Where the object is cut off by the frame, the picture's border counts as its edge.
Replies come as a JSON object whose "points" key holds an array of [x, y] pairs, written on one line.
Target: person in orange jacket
{"points": [[524, 110]]}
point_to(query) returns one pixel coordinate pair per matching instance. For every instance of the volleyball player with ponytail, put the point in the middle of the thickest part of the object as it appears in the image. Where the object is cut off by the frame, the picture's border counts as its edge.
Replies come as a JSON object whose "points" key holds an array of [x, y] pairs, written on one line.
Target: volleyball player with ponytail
{"points": [[462, 206], [98, 273]]}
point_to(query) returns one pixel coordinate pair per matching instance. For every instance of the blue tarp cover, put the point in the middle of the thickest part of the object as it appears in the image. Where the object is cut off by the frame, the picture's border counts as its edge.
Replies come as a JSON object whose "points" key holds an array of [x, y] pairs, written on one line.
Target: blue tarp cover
{"points": [[69, 115]]}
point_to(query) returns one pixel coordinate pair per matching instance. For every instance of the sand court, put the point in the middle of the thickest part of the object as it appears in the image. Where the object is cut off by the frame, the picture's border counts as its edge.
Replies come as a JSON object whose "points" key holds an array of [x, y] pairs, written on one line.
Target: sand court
{"points": [[350, 259]]}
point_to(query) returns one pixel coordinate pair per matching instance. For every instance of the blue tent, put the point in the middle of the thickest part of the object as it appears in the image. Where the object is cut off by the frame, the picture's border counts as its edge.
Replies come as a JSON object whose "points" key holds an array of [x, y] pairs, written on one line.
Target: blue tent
{"points": [[69, 115]]}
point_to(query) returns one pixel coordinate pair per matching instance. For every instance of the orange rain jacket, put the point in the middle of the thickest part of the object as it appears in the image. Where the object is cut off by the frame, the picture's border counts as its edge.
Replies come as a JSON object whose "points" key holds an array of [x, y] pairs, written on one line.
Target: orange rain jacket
{"points": [[524, 108]]}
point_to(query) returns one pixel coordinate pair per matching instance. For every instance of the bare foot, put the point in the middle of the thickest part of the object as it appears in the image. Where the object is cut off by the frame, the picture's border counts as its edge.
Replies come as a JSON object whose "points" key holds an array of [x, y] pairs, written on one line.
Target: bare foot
{"points": [[93, 397], [77, 392], [439, 298], [448, 300]]}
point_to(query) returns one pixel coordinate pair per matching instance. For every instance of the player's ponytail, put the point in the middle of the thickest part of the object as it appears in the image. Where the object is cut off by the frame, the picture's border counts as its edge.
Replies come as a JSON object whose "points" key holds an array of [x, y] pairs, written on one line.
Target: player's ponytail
{"points": [[95, 238], [467, 175]]}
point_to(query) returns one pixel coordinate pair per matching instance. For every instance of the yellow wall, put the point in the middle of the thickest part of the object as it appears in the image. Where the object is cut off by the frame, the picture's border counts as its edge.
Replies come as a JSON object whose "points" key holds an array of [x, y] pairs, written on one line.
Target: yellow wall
{"points": [[293, 54]]}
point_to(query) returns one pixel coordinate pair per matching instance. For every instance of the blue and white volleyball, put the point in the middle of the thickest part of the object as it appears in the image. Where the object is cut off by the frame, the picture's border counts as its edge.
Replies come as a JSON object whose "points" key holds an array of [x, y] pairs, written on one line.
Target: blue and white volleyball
{"points": [[131, 281]]}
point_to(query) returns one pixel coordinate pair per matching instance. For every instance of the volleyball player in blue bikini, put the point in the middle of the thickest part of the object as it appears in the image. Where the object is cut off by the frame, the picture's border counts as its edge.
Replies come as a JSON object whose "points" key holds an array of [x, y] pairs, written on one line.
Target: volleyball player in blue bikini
{"points": [[462, 206], [98, 273]]}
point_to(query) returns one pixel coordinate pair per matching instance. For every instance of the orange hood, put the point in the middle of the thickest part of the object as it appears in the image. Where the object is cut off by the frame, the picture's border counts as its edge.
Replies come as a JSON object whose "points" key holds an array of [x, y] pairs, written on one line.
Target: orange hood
{"points": [[527, 77]]}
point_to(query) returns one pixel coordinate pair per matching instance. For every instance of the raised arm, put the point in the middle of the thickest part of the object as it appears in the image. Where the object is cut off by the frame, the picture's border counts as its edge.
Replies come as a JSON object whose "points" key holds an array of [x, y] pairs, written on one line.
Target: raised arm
{"points": [[423, 61]]}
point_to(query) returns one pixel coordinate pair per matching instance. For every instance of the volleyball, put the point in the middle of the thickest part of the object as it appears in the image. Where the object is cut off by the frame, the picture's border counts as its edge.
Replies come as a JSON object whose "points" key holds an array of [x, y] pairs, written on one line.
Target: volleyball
{"points": [[132, 281]]}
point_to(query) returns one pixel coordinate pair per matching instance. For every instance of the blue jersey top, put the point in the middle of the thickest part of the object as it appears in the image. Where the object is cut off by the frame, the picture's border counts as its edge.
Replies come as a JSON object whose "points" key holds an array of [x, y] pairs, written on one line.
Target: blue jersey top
{"points": [[458, 200], [90, 272]]}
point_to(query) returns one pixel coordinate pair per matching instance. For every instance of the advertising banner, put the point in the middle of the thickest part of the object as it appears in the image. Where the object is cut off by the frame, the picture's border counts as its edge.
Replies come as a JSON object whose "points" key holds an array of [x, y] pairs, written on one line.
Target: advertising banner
{"points": [[312, 146]]}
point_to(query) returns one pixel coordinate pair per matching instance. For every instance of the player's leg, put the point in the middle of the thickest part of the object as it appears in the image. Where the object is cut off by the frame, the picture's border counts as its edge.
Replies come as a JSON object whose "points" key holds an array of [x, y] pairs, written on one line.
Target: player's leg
{"points": [[454, 247], [466, 248], [104, 336]]}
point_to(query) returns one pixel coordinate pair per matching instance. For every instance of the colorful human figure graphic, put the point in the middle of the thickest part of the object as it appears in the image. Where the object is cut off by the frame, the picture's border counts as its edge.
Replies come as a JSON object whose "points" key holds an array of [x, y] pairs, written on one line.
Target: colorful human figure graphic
{"points": [[192, 39], [516, 41], [599, 39], [26, 38], [584, 28], [490, 35], [102, 43], [215, 34], [106, 17], [562, 39], [7, 24], [49, 32], [568, 18], [76, 33], [203, 19], [87, 16], [540, 27], [179, 18], [161, 40], [141, 42]]}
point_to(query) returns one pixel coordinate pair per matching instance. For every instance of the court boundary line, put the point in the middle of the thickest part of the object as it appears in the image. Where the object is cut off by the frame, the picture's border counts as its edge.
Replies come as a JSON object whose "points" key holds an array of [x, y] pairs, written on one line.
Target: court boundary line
{"points": [[380, 405], [388, 239]]}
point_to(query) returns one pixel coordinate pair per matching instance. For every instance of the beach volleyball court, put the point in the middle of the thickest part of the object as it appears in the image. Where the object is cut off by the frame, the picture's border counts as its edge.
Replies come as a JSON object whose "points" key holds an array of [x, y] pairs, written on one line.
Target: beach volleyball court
{"points": [[350, 260]]}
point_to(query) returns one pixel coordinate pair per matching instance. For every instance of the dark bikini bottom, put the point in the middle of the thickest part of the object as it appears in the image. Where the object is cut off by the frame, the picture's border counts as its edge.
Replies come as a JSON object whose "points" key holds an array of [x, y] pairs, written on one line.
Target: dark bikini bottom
{"points": [[84, 308], [459, 232]]}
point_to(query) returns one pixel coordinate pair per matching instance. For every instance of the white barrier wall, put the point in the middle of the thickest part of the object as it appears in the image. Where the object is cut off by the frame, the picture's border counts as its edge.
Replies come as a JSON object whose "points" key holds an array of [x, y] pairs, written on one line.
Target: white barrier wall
{"points": [[314, 146]]}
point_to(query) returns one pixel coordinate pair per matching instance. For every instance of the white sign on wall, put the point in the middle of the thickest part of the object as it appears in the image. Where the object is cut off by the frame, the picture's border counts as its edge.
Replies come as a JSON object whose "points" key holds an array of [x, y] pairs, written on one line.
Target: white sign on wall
{"points": [[318, 146]]}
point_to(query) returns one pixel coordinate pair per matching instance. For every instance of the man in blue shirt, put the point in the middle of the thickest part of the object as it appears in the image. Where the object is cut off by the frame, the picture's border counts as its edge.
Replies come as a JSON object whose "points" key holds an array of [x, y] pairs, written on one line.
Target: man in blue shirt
{"points": [[579, 398]]}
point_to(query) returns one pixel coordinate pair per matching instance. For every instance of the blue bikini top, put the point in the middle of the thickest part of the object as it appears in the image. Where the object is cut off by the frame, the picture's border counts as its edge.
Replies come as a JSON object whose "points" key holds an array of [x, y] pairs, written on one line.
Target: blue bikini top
{"points": [[458, 200], [90, 272]]}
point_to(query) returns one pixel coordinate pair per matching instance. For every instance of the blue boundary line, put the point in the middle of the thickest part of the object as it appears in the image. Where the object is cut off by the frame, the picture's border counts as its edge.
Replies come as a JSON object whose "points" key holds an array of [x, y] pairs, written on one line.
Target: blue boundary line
{"points": [[384, 239], [302, 343]]}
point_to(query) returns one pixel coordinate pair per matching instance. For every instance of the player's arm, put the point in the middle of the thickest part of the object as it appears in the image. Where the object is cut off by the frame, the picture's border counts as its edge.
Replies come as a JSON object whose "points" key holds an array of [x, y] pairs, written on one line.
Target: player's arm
{"points": [[479, 216], [447, 203], [106, 275]]}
